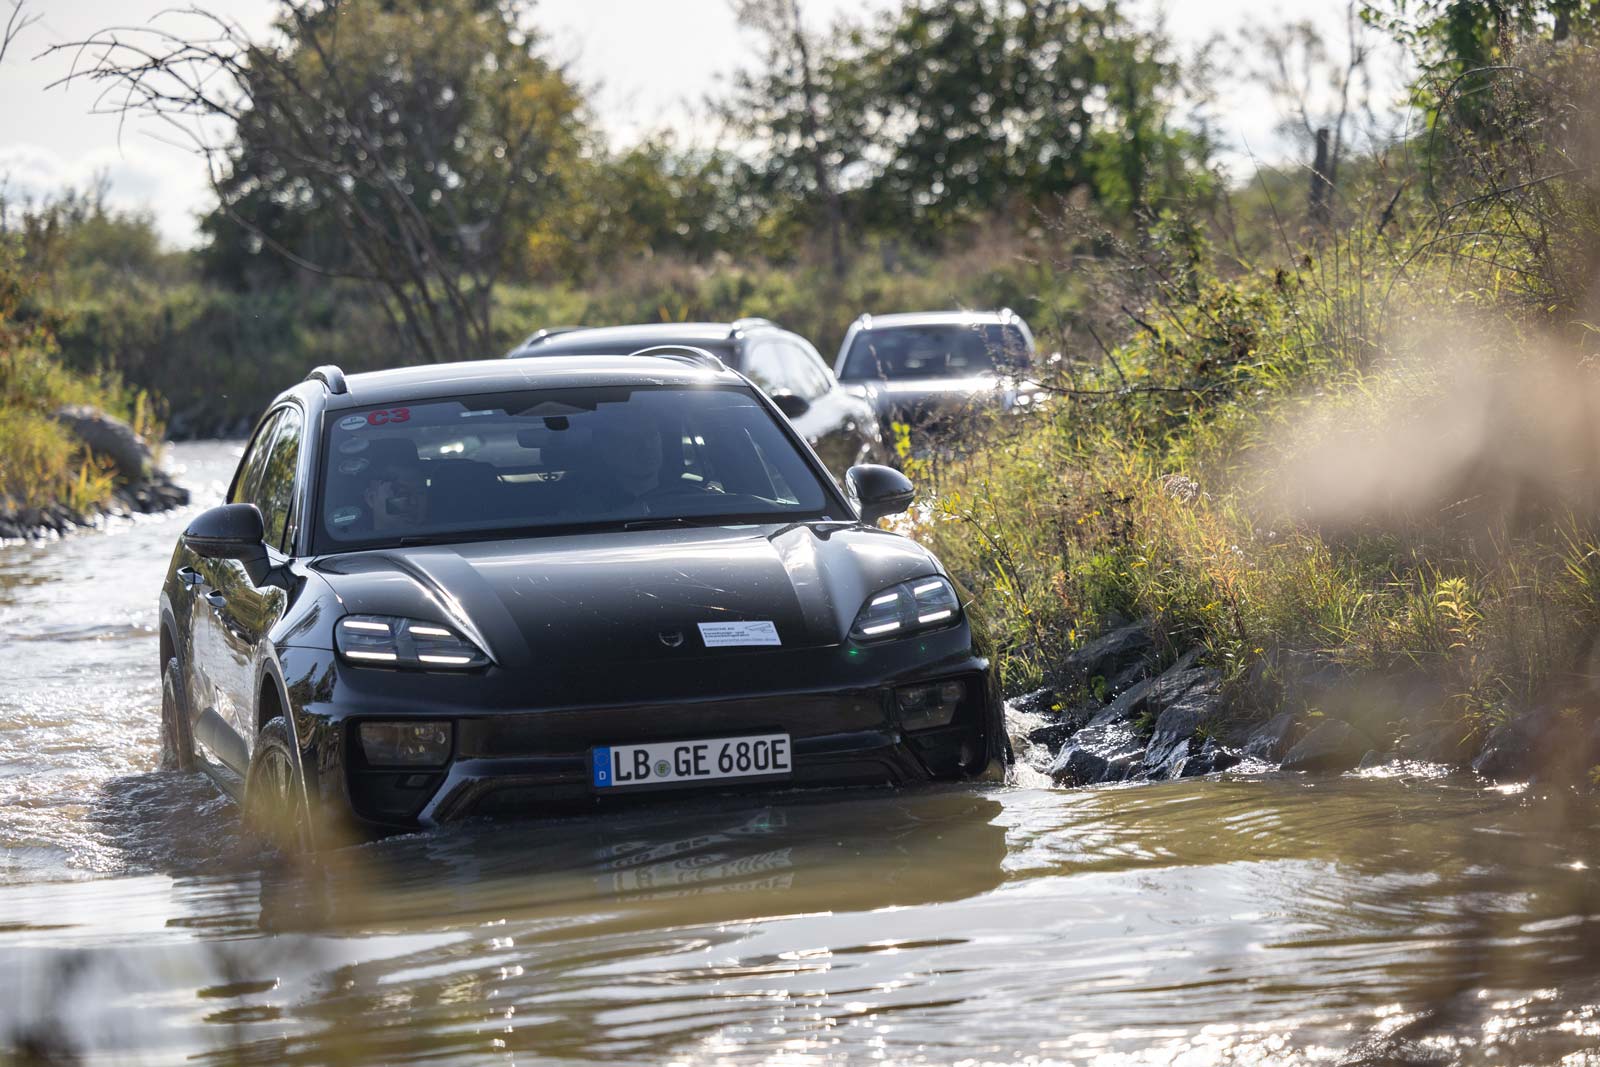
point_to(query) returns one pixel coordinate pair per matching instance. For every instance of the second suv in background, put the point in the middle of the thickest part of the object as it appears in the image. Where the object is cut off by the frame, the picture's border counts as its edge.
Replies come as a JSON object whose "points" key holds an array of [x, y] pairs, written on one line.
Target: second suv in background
{"points": [[927, 369], [841, 425]]}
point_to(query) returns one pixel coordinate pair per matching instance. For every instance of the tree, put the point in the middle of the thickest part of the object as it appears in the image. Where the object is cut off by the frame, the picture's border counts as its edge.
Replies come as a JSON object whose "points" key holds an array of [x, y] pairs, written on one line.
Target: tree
{"points": [[651, 198], [796, 103], [1320, 94], [406, 144]]}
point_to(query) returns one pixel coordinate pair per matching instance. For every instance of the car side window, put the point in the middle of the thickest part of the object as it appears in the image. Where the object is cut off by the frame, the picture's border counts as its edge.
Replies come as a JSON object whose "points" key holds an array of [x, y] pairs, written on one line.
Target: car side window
{"points": [[247, 483], [276, 496], [764, 365], [811, 378]]}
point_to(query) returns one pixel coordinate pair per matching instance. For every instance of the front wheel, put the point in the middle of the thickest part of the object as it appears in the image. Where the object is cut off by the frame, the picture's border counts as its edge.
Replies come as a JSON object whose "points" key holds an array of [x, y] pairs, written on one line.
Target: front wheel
{"points": [[274, 796], [177, 745]]}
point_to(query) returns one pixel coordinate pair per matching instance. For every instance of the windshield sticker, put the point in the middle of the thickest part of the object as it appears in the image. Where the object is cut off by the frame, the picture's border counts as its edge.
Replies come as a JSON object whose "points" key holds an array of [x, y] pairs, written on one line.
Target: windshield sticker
{"points": [[352, 422], [354, 466], [344, 516], [352, 446], [725, 634]]}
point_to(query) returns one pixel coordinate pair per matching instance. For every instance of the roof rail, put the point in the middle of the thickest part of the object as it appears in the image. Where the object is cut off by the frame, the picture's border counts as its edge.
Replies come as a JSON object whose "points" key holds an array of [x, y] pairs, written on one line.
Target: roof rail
{"points": [[331, 376], [548, 332], [687, 353], [749, 322]]}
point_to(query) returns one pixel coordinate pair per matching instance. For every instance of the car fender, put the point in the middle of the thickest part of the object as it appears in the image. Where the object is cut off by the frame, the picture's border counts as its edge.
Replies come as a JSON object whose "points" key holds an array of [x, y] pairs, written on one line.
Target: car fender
{"points": [[269, 671]]}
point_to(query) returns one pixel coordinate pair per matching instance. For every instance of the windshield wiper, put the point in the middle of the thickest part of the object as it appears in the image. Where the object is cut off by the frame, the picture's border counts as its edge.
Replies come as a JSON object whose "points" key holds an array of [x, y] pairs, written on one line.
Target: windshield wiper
{"points": [[667, 520], [412, 540]]}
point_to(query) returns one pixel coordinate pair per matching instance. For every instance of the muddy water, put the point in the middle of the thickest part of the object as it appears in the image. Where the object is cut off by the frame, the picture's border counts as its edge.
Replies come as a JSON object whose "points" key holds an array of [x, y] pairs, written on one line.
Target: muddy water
{"points": [[1396, 918]]}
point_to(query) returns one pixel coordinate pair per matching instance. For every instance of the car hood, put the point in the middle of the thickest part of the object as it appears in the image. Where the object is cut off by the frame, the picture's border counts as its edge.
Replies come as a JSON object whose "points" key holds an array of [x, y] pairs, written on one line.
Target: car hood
{"points": [[920, 399], [626, 596]]}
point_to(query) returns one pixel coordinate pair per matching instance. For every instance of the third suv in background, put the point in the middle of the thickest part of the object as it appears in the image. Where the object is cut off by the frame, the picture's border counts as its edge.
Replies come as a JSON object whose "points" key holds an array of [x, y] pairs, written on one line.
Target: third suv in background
{"points": [[839, 424], [928, 369]]}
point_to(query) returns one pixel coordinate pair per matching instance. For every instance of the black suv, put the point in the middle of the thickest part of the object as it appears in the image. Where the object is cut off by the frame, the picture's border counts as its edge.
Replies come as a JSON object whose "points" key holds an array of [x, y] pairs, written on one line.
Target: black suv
{"points": [[522, 586], [840, 425]]}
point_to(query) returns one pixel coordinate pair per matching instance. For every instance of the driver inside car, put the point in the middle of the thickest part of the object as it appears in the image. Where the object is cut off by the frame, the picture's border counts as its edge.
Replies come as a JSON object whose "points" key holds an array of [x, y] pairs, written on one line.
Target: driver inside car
{"points": [[397, 495], [634, 467]]}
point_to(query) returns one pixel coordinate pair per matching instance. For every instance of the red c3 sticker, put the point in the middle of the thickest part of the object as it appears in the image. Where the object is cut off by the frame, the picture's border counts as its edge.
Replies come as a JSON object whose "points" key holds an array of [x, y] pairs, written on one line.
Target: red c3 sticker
{"points": [[379, 418]]}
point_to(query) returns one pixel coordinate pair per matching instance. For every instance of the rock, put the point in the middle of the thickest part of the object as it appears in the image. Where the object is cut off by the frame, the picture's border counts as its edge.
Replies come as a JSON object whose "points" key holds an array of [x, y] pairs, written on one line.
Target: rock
{"points": [[1170, 687], [1109, 654], [1106, 753], [1273, 739], [1373, 758], [1131, 676], [1515, 748], [1077, 766], [1547, 744], [1039, 702], [1331, 746], [1211, 758], [108, 436], [1173, 740], [1125, 706], [1054, 735]]}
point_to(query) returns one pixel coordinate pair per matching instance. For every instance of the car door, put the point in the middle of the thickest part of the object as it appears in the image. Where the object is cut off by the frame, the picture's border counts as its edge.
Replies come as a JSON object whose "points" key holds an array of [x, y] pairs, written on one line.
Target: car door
{"points": [[840, 426], [237, 614], [769, 360], [845, 423]]}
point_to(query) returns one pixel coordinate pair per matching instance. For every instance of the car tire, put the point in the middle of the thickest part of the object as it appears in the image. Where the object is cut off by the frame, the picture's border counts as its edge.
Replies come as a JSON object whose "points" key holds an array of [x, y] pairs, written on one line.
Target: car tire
{"points": [[274, 794], [177, 744]]}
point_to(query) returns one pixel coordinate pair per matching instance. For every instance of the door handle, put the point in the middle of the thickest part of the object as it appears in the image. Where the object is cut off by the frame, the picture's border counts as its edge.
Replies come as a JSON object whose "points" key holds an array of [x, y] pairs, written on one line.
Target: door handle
{"points": [[190, 577], [216, 599]]}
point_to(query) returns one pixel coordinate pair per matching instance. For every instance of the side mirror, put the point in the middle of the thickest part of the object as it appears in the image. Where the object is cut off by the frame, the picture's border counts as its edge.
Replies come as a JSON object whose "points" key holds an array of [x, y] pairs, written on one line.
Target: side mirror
{"points": [[232, 531], [791, 404], [878, 490]]}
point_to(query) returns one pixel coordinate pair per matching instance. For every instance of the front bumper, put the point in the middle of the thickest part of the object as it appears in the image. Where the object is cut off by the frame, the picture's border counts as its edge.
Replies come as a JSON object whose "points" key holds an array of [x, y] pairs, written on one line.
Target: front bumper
{"points": [[518, 761]]}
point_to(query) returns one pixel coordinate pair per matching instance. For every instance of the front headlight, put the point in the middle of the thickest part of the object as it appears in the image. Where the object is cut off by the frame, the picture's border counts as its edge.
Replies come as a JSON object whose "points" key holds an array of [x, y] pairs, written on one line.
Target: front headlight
{"points": [[389, 641], [910, 607]]}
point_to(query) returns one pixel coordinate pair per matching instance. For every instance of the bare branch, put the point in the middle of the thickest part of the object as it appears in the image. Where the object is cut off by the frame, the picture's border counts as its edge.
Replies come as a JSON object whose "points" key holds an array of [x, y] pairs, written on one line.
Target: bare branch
{"points": [[16, 22]]}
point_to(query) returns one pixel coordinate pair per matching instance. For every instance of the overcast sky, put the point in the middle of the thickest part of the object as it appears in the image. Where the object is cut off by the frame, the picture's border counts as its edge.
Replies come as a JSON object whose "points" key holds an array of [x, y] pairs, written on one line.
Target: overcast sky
{"points": [[650, 63]]}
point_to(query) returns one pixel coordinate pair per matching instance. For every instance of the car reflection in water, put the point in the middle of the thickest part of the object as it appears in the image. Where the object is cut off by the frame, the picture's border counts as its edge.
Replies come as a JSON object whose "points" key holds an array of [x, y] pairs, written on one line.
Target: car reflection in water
{"points": [[696, 862]]}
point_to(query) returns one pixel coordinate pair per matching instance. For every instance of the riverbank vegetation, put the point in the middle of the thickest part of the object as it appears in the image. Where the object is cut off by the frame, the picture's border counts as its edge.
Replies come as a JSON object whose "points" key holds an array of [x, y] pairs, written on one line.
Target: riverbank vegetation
{"points": [[42, 461], [1367, 454]]}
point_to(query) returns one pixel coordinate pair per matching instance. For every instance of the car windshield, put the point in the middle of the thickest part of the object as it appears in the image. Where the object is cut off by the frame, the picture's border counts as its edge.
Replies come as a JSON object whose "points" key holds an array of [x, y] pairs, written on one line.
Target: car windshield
{"points": [[461, 468], [936, 351]]}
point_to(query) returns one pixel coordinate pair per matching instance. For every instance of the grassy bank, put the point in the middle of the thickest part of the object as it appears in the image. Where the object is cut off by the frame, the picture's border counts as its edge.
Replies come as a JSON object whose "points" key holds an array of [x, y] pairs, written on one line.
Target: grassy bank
{"points": [[1370, 454], [41, 462]]}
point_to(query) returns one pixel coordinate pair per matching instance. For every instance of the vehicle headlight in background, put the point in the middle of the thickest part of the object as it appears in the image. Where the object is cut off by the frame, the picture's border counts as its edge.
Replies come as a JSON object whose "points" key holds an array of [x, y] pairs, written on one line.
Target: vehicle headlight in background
{"points": [[405, 744], [910, 607], [389, 641]]}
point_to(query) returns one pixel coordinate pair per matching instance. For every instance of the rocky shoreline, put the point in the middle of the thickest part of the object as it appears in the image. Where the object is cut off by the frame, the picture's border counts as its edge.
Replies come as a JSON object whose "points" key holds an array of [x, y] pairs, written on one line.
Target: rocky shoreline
{"points": [[142, 486], [1127, 707]]}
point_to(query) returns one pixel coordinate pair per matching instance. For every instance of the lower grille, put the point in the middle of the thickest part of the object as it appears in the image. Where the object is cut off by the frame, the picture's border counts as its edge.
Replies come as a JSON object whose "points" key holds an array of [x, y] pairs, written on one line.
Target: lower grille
{"points": [[577, 730]]}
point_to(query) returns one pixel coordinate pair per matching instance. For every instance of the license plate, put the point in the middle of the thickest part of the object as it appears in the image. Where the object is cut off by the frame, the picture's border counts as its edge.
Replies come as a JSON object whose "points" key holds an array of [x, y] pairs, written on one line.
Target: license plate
{"points": [[672, 762]]}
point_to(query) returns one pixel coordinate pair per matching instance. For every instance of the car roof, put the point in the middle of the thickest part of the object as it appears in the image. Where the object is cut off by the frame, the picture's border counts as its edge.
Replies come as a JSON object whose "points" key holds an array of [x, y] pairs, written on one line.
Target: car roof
{"points": [[431, 380], [939, 318], [639, 335]]}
